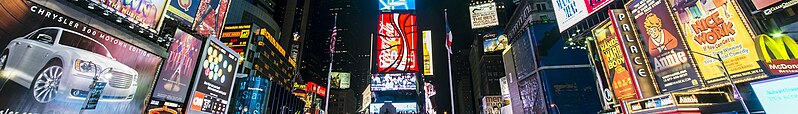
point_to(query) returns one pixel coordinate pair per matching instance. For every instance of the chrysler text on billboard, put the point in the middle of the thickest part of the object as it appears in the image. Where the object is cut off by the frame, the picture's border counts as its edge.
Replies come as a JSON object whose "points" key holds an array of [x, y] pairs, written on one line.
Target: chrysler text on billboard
{"points": [[51, 60]]}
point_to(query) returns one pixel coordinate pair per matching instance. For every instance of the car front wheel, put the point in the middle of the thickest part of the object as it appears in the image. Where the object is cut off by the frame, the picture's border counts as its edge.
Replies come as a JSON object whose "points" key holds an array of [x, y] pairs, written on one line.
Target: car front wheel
{"points": [[46, 84]]}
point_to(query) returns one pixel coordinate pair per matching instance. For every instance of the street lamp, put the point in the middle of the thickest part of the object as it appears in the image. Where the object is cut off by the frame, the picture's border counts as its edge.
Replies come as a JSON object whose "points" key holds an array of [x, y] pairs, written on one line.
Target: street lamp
{"points": [[735, 91]]}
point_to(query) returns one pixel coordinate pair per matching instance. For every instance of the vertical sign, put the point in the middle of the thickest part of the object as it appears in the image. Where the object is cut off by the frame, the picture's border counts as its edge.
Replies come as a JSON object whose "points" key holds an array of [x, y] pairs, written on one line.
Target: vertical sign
{"points": [[673, 67], [633, 52], [396, 43], [215, 79], [714, 28], [427, 37], [615, 69]]}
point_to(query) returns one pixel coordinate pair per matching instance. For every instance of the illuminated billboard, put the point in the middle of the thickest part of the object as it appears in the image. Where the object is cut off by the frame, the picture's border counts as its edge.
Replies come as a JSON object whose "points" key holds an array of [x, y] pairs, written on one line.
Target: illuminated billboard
{"points": [[387, 82], [215, 78], [613, 62], [47, 49], [673, 67], [148, 12], [396, 43], [483, 15], [427, 41], [210, 16], [781, 63], [492, 104], [777, 95], [494, 44], [236, 37], [400, 107], [636, 59], [340, 80], [173, 81], [570, 12], [184, 11], [717, 28], [397, 4]]}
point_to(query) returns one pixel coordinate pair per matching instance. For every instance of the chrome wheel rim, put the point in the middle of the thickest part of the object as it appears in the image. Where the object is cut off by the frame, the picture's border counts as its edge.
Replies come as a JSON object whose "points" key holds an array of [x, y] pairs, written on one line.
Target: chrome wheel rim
{"points": [[46, 86]]}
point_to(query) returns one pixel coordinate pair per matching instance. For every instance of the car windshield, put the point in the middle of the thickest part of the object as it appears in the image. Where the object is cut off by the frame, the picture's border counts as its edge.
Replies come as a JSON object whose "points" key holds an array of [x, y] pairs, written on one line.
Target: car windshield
{"points": [[77, 41]]}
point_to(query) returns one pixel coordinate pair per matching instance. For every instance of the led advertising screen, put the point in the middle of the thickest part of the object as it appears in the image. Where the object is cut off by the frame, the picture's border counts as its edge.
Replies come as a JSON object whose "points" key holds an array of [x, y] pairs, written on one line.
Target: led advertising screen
{"points": [[483, 15], [340, 80], [254, 90], [400, 107], [148, 12], [671, 62], [396, 43], [51, 60], [613, 62], [387, 82], [494, 43], [427, 41], [236, 37], [570, 12], [183, 11], [715, 28], [215, 78], [777, 95], [397, 4], [211, 15], [173, 81]]}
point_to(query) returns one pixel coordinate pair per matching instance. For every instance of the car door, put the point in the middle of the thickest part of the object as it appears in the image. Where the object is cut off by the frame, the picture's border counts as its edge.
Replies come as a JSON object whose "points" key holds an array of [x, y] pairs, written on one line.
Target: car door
{"points": [[37, 50]]}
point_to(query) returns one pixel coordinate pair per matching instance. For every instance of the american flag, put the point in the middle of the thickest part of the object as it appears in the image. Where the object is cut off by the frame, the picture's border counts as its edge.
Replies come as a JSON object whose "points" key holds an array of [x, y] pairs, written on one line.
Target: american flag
{"points": [[448, 34], [332, 39]]}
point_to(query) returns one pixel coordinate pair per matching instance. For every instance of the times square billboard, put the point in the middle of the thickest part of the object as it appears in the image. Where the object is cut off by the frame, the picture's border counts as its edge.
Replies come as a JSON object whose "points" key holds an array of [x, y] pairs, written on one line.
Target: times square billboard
{"points": [[204, 16], [173, 82], [396, 44], [214, 78], [51, 60]]}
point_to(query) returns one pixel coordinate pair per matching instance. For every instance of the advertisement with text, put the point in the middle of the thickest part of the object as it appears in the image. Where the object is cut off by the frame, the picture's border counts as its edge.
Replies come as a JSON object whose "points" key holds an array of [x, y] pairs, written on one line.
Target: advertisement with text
{"points": [[716, 28], [215, 79], [669, 57], [612, 57], [148, 12], [570, 12], [396, 43], [54, 63], [385, 82], [172, 85]]}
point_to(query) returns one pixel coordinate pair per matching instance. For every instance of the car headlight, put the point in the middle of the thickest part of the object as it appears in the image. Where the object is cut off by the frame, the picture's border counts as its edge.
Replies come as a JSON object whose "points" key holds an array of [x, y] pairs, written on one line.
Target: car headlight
{"points": [[85, 66]]}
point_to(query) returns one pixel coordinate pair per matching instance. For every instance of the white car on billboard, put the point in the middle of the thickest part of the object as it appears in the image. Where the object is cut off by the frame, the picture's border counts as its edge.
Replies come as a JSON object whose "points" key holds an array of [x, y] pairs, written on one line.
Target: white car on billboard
{"points": [[56, 63]]}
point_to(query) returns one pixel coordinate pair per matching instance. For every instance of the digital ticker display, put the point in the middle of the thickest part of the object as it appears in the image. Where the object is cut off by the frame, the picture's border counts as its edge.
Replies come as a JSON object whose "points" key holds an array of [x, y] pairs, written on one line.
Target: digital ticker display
{"points": [[387, 82]]}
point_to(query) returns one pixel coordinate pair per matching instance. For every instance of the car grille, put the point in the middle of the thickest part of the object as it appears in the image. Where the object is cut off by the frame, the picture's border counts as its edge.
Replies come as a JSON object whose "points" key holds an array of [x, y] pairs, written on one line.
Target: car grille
{"points": [[121, 80]]}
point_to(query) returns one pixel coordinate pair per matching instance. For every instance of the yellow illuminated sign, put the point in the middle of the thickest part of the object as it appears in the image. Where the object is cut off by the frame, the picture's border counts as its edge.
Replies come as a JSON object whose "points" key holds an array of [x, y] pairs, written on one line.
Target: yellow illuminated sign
{"points": [[777, 46], [718, 29]]}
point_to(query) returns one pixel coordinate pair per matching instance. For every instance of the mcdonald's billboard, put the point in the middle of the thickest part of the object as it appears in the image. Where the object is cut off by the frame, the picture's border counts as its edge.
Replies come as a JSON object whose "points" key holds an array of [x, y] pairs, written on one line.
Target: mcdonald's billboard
{"points": [[780, 63], [718, 30]]}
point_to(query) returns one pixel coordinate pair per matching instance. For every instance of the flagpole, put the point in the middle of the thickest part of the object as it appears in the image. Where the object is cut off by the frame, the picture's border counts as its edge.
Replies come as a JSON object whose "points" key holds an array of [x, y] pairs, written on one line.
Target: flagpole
{"points": [[332, 52], [449, 60]]}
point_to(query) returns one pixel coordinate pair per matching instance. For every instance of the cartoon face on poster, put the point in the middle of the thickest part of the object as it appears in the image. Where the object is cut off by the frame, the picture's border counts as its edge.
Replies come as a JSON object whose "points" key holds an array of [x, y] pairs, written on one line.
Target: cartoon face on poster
{"points": [[50, 60], [716, 28], [668, 55]]}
